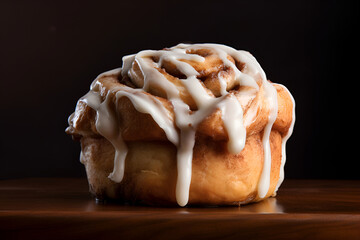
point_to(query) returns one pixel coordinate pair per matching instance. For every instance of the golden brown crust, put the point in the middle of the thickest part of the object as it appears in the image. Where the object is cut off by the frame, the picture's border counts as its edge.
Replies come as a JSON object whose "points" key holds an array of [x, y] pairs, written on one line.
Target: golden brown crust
{"points": [[218, 177], [97, 154]]}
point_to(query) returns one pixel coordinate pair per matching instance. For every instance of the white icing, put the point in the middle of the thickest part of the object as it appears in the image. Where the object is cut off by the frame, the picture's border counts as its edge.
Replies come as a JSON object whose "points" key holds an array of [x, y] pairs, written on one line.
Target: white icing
{"points": [[284, 140], [81, 157], [252, 76], [271, 97], [197, 92], [92, 99], [232, 116], [106, 122], [145, 104], [184, 165]]}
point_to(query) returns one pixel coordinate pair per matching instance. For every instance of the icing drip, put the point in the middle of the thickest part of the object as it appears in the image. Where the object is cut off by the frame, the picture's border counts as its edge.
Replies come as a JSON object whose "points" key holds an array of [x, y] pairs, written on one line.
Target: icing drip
{"points": [[284, 140], [184, 165], [106, 125], [145, 104], [271, 96], [232, 116], [182, 133]]}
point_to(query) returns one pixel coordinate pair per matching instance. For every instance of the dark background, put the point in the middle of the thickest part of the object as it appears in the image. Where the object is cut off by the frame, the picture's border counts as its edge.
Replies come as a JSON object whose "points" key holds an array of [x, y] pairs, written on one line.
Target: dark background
{"points": [[52, 50]]}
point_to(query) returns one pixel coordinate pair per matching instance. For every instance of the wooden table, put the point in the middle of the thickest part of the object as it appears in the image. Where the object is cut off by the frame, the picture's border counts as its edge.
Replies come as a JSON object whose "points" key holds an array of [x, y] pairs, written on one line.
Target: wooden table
{"points": [[53, 208]]}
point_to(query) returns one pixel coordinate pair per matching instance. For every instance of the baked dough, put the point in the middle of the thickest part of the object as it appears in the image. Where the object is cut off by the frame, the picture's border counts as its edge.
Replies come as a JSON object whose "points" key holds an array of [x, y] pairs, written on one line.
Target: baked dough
{"points": [[194, 124]]}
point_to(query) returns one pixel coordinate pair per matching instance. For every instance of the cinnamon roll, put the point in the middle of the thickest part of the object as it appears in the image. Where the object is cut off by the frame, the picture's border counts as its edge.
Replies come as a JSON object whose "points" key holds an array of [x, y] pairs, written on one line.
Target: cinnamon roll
{"points": [[195, 124]]}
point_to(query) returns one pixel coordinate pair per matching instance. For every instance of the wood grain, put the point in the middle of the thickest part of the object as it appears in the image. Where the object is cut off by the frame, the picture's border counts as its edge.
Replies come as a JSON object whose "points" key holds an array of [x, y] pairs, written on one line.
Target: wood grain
{"points": [[63, 209]]}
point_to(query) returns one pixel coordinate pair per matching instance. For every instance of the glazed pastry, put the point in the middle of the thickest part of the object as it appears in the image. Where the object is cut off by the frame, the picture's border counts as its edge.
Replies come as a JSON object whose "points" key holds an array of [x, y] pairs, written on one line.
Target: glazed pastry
{"points": [[195, 124]]}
